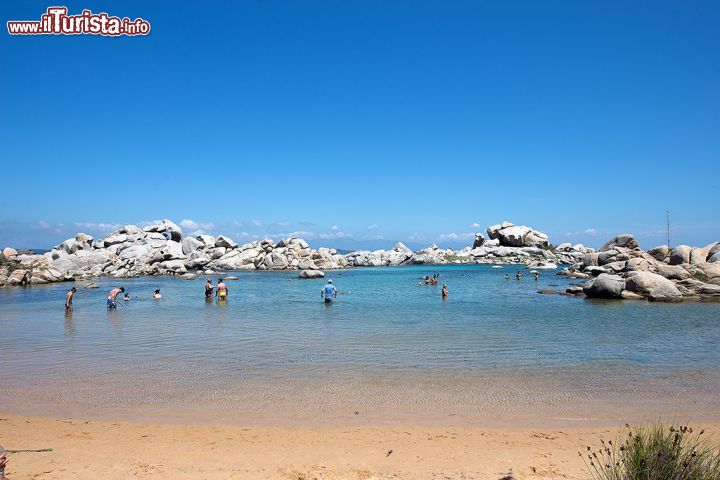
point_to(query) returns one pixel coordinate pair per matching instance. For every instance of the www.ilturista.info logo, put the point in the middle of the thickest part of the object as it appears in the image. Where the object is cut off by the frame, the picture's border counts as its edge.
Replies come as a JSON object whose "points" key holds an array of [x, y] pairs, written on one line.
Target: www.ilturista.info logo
{"points": [[57, 22]]}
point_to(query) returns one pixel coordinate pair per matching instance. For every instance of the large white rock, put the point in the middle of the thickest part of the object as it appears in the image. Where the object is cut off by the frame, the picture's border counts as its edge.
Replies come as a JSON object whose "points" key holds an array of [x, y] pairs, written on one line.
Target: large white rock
{"points": [[311, 274], [479, 240], [172, 251], [167, 226], [659, 253], [115, 239], [190, 244], [223, 241], [70, 246], [651, 284], [513, 236], [680, 255], [625, 240], [275, 261], [673, 272], [155, 240], [134, 252], [130, 230], [9, 252], [604, 286], [207, 240]]}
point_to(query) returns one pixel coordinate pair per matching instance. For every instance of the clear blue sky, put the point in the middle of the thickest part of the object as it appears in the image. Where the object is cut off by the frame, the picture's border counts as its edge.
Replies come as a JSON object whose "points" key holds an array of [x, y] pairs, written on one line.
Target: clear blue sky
{"points": [[408, 121]]}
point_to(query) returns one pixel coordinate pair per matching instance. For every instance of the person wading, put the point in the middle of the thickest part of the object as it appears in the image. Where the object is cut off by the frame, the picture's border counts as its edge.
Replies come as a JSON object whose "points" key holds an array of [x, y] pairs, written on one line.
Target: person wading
{"points": [[329, 292]]}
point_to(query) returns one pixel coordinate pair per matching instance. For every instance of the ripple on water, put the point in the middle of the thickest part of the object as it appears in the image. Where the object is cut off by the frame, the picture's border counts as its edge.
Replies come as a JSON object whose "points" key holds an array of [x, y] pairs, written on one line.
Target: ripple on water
{"points": [[389, 348]]}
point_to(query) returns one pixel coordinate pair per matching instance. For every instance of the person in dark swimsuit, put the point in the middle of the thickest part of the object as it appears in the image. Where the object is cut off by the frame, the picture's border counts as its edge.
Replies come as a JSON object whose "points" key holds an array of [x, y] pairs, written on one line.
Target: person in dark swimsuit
{"points": [[209, 288], [69, 299]]}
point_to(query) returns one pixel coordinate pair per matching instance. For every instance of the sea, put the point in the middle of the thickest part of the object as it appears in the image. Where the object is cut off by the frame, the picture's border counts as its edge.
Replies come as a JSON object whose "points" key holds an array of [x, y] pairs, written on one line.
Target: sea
{"points": [[388, 350]]}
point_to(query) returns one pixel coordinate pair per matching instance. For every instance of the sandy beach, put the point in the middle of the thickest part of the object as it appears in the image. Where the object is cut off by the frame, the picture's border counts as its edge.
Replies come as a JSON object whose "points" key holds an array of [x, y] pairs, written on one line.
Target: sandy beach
{"points": [[84, 449]]}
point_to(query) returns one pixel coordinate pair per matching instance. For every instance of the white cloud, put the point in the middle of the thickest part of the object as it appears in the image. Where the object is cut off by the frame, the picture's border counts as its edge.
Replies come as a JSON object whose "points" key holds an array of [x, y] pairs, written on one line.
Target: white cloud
{"points": [[246, 235], [416, 237], [103, 227], [475, 225], [590, 231], [192, 227], [256, 222], [307, 235], [334, 227], [455, 236], [147, 223], [372, 227], [189, 224], [43, 224]]}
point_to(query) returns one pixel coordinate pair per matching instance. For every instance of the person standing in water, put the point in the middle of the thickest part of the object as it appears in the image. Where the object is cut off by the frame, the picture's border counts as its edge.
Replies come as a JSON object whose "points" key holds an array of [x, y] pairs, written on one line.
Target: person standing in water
{"points": [[112, 297], [156, 294], [209, 288], [329, 292], [69, 299], [537, 275], [221, 291], [444, 292]]}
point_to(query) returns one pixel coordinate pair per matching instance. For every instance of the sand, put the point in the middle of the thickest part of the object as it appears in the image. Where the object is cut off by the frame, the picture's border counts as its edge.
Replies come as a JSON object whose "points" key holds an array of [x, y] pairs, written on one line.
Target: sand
{"points": [[91, 449]]}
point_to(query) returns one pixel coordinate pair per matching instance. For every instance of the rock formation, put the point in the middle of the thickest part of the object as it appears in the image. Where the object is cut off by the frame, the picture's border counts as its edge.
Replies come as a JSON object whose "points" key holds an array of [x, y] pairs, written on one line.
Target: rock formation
{"points": [[621, 269], [160, 249]]}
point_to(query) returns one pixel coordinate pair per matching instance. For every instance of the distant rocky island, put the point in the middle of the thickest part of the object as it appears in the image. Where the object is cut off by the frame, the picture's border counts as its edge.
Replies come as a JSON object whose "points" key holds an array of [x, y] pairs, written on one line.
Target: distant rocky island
{"points": [[619, 269]]}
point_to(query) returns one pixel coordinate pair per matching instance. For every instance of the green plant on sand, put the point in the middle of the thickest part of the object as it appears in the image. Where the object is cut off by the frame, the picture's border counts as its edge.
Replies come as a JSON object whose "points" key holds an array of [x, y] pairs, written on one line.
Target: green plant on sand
{"points": [[655, 452]]}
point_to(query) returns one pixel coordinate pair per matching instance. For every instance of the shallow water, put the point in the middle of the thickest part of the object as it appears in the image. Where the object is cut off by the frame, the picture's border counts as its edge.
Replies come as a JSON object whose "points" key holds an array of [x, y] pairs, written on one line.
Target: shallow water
{"points": [[386, 349]]}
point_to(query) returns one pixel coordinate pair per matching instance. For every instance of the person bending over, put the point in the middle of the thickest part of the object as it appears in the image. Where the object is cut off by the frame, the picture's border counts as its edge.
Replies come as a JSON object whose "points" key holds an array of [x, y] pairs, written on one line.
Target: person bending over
{"points": [[112, 297]]}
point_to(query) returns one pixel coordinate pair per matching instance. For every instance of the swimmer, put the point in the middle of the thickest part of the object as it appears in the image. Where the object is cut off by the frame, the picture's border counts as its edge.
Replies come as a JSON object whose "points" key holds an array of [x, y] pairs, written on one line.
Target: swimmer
{"points": [[507, 277], [156, 294], [209, 288], [444, 291], [537, 275], [127, 297], [419, 284]]}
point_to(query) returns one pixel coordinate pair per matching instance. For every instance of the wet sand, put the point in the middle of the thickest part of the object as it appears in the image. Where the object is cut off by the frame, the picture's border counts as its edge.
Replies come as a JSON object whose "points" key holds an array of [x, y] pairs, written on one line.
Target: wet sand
{"points": [[88, 449]]}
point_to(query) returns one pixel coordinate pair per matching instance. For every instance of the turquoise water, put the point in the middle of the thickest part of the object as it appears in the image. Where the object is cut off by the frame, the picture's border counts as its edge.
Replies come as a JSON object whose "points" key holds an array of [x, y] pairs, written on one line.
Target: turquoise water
{"points": [[386, 349]]}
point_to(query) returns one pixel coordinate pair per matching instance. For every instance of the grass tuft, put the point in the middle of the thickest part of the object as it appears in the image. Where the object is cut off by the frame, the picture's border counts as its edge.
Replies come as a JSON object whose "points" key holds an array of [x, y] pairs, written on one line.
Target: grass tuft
{"points": [[656, 452]]}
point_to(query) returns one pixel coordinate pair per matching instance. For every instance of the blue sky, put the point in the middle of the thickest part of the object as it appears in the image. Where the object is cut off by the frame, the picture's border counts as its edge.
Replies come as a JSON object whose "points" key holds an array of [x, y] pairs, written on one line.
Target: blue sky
{"points": [[358, 123]]}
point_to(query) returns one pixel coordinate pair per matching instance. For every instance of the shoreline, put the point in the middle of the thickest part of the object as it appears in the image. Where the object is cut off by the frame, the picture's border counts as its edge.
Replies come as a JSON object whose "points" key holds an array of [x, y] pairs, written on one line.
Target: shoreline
{"points": [[88, 449]]}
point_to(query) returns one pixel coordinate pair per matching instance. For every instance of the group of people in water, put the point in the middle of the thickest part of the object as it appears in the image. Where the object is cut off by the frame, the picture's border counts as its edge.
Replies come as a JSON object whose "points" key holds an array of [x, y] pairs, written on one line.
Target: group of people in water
{"points": [[112, 298], [221, 291], [434, 281], [519, 275]]}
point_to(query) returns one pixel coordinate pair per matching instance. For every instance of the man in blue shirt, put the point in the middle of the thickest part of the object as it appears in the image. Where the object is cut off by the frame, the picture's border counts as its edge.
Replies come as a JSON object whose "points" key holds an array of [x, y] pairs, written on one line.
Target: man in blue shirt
{"points": [[329, 292]]}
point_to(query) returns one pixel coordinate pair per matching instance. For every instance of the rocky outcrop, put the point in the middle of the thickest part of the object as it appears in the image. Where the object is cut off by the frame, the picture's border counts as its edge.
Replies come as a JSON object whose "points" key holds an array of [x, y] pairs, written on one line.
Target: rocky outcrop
{"points": [[508, 244], [625, 240], [604, 286], [510, 235], [661, 274], [161, 249], [398, 255]]}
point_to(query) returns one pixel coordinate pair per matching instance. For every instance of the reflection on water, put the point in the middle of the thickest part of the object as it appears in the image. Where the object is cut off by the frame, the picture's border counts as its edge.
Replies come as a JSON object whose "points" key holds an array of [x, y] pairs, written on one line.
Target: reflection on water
{"points": [[386, 347]]}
